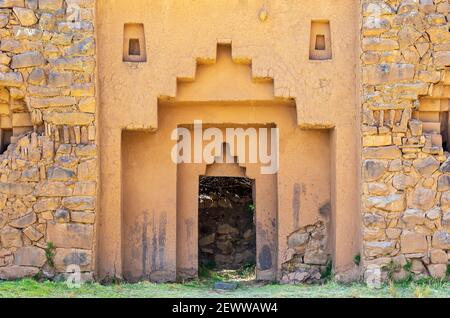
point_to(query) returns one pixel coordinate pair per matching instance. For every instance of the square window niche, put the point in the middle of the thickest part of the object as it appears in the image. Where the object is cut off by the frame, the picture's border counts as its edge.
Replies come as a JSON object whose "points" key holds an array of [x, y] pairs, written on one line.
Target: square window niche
{"points": [[134, 47], [320, 46]]}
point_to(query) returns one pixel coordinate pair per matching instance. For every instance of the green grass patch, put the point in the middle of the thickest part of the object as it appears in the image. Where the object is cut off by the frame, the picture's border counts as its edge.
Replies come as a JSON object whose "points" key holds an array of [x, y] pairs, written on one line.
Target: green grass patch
{"points": [[204, 288], [244, 274]]}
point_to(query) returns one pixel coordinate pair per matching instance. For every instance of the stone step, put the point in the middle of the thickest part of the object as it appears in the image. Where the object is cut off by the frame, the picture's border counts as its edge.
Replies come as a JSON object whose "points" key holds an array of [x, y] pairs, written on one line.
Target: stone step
{"points": [[433, 105], [225, 286], [436, 140], [430, 117], [431, 128], [440, 91]]}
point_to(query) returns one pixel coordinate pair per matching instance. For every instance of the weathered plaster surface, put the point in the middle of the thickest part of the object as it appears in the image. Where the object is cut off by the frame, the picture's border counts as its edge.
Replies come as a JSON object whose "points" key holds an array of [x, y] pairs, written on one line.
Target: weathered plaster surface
{"points": [[325, 92], [60, 68]]}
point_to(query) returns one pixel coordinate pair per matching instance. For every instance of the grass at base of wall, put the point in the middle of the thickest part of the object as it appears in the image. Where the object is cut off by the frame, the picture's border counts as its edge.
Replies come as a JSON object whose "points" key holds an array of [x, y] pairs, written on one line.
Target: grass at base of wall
{"points": [[204, 288]]}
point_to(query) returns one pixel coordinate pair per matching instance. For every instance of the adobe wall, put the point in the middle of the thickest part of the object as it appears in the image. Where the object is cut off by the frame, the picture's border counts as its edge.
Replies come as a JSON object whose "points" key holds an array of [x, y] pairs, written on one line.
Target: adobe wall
{"points": [[405, 216], [48, 175], [49, 57], [160, 198], [275, 39]]}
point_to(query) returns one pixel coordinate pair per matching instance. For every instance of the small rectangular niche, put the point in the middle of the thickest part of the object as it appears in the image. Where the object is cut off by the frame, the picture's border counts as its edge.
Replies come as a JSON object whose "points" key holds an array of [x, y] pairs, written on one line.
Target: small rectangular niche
{"points": [[134, 47], [320, 42], [320, 46]]}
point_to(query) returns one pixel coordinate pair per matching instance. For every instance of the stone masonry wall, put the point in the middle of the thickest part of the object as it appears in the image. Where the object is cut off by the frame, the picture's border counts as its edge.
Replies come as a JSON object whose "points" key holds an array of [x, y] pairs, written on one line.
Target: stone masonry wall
{"points": [[406, 175], [48, 175], [227, 231], [227, 236]]}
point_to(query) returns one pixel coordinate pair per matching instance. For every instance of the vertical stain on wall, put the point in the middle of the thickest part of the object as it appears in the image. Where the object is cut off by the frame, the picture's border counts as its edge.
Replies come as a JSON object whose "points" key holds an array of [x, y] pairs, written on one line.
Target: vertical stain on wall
{"points": [[296, 204], [189, 228], [189, 223], [267, 252], [154, 244], [144, 244], [265, 258], [162, 240], [273, 221], [325, 210]]}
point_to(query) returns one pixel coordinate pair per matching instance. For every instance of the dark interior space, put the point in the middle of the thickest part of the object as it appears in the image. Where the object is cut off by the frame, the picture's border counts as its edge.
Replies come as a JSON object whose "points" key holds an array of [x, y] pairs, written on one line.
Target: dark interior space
{"points": [[5, 141], [227, 235]]}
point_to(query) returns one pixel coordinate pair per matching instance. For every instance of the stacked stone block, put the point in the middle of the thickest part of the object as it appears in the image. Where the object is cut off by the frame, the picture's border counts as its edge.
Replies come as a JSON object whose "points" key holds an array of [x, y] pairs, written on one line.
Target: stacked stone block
{"points": [[406, 210], [48, 175]]}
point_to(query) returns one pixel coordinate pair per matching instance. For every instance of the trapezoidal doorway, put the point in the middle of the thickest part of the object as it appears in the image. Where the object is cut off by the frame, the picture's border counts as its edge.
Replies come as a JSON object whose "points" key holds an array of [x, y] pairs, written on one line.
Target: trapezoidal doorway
{"points": [[226, 218], [227, 231]]}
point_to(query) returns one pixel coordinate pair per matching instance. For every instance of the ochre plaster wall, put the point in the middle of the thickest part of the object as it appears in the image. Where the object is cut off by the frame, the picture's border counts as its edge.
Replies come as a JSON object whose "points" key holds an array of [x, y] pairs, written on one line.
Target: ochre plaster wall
{"points": [[280, 69], [76, 57], [285, 202]]}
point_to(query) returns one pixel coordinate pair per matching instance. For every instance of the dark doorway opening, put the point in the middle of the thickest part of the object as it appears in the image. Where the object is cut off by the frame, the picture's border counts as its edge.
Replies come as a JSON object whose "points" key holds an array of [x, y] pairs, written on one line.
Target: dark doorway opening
{"points": [[227, 231], [5, 139]]}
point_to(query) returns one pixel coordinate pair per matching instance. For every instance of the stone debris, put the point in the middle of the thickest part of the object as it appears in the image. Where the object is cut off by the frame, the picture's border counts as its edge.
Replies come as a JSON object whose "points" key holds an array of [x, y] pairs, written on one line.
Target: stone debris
{"points": [[225, 286], [308, 255]]}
